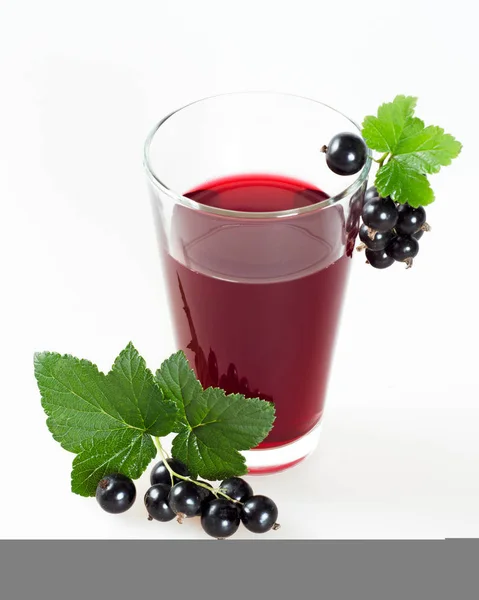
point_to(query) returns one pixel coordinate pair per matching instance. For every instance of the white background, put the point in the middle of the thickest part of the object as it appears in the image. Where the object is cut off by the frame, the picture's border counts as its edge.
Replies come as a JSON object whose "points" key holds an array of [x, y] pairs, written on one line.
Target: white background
{"points": [[81, 84]]}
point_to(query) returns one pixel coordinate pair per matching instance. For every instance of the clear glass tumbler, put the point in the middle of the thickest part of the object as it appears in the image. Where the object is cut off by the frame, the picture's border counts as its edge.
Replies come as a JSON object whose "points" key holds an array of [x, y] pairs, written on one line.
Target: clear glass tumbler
{"points": [[256, 236]]}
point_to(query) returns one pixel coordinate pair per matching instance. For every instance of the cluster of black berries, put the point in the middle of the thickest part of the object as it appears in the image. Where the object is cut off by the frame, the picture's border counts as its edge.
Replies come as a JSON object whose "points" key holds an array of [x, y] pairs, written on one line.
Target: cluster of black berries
{"points": [[221, 510], [390, 231]]}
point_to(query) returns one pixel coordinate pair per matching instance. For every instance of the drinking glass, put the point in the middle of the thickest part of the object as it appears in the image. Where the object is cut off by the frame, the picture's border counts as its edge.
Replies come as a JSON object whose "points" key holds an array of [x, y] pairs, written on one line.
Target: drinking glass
{"points": [[256, 237]]}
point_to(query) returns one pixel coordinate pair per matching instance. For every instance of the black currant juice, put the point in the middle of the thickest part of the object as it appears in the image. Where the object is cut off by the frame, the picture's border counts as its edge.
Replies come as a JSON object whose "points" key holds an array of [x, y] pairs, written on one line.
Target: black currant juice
{"points": [[256, 301]]}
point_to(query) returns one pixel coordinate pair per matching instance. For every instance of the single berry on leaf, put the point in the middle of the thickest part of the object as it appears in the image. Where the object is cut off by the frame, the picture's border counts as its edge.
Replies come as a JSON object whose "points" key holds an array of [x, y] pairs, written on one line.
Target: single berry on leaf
{"points": [[236, 488], [160, 474], [378, 242], [115, 493], [380, 214], [259, 514], [220, 518], [410, 220], [185, 499], [379, 259], [403, 248], [156, 503], [346, 154]]}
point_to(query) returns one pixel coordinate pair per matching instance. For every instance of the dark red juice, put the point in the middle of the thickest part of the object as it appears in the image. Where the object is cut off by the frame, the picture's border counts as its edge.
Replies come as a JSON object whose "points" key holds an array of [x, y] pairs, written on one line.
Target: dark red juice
{"points": [[256, 302]]}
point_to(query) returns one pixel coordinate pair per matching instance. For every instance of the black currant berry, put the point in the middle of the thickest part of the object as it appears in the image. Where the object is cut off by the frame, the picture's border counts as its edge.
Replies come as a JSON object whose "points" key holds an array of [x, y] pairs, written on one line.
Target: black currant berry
{"points": [[156, 502], [371, 193], [346, 154], [418, 235], [410, 220], [259, 514], [116, 493], [206, 495], [160, 474], [220, 518], [378, 242], [379, 259], [381, 214], [185, 499], [236, 488], [403, 247]]}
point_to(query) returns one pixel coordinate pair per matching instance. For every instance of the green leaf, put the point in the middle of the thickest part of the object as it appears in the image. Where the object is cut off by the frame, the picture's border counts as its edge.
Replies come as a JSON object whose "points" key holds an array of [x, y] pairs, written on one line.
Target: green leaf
{"points": [[218, 427], [413, 151], [133, 453], [427, 150], [178, 383], [404, 184], [106, 419], [383, 132], [214, 427], [145, 407]]}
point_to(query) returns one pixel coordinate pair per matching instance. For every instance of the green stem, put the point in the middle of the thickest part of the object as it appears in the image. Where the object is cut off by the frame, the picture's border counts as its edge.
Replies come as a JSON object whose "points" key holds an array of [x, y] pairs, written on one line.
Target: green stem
{"points": [[163, 456], [382, 159], [216, 492]]}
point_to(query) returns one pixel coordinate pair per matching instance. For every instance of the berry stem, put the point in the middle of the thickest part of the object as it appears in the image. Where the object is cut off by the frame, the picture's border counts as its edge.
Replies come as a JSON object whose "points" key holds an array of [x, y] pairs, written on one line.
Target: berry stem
{"points": [[163, 456], [216, 492], [381, 160]]}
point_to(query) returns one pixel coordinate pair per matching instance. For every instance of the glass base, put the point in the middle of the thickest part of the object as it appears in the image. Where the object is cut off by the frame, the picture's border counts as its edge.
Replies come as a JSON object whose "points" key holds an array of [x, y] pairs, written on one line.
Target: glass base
{"points": [[272, 460]]}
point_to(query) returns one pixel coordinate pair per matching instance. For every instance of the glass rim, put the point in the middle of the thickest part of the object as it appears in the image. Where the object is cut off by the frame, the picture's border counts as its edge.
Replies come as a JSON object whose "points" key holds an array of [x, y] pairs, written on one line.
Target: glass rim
{"points": [[179, 198]]}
